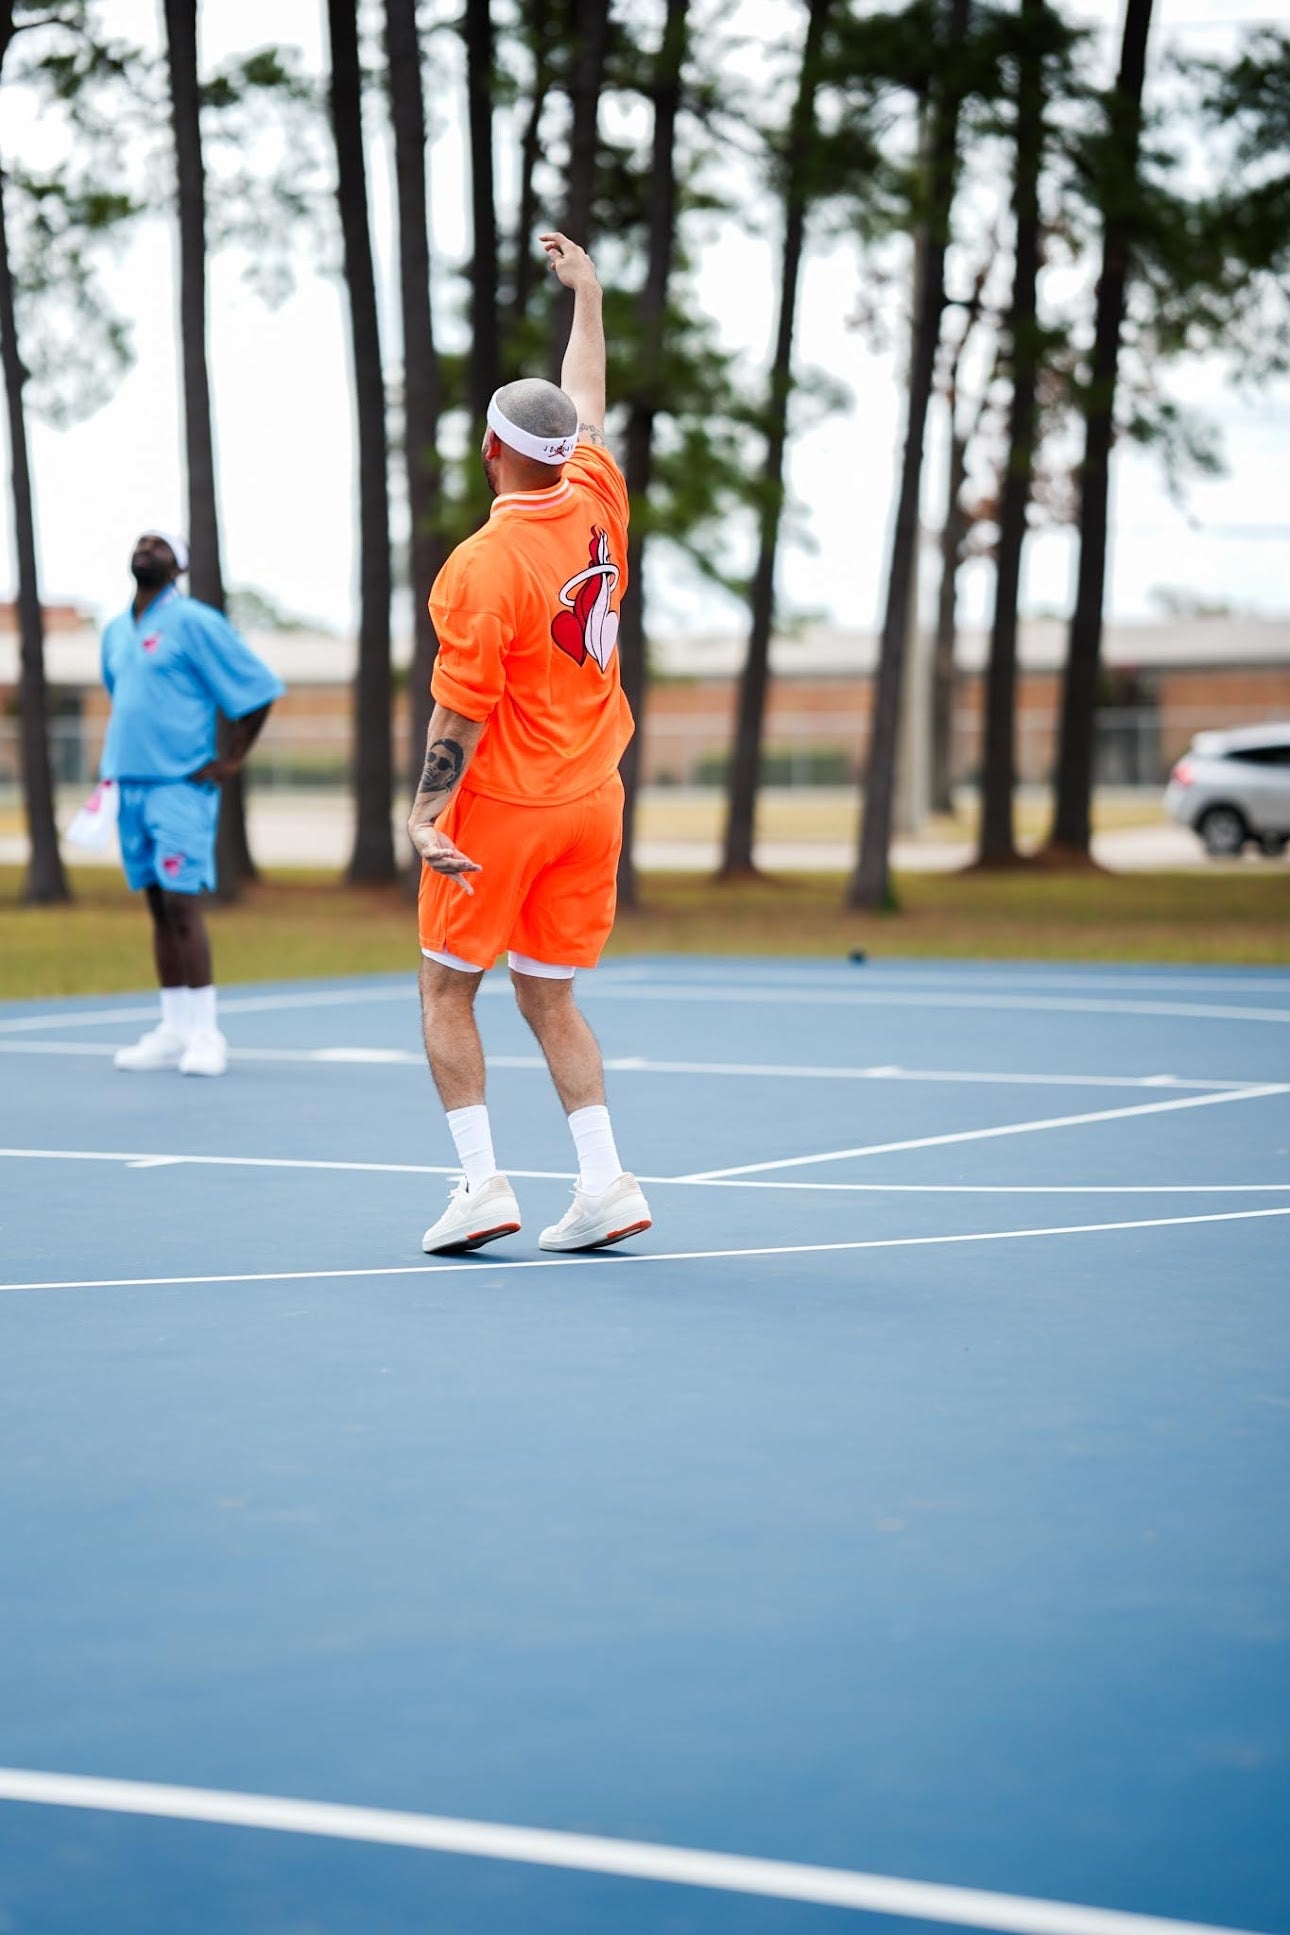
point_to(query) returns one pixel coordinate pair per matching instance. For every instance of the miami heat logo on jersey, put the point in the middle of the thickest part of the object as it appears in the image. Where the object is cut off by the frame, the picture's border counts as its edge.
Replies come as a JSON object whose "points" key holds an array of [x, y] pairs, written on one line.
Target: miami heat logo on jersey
{"points": [[586, 626]]}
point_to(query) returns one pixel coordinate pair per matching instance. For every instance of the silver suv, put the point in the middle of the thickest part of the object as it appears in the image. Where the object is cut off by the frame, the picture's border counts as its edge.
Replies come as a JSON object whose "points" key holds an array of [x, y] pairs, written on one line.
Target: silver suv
{"points": [[1234, 787]]}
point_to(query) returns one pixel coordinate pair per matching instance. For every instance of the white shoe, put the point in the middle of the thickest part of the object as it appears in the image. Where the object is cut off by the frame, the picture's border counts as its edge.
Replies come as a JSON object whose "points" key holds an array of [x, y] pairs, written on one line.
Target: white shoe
{"points": [[473, 1217], [206, 1053], [593, 1221], [160, 1048]]}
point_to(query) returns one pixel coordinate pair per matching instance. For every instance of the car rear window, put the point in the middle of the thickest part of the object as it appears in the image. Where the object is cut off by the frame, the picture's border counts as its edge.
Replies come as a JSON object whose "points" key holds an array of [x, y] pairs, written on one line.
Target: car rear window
{"points": [[1260, 755]]}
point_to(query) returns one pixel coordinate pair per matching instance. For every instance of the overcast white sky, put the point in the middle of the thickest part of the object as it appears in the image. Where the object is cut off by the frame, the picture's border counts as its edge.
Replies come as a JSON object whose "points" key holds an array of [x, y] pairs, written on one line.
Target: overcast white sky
{"points": [[284, 431]]}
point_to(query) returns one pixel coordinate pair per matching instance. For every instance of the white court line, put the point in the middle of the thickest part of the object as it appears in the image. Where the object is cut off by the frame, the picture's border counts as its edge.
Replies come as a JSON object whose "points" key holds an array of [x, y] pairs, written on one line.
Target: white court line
{"points": [[606, 1261], [229, 1004], [140, 1159], [985, 1135], [953, 998], [964, 1189], [982, 1135], [932, 974], [591, 1854], [643, 1065]]}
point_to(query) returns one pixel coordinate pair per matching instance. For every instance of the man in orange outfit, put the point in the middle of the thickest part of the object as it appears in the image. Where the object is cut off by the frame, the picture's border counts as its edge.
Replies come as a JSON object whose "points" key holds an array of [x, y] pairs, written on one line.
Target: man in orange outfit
{"points": [[518, 817]]}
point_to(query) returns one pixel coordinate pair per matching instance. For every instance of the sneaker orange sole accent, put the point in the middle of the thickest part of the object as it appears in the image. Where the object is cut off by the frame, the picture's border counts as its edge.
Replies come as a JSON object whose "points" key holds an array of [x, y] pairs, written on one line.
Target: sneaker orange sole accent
{"points": [[616, 1236], [486, 1236], [475, 1240]]}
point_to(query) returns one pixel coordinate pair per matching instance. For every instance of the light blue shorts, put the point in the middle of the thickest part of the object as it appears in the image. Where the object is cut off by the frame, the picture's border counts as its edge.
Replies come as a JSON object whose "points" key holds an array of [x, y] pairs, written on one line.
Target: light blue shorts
{"points": [[167, 834]]}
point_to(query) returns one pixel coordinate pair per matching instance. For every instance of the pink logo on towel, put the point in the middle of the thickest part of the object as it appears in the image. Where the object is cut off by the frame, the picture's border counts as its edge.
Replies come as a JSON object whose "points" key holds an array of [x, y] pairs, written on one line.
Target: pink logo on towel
{"points": [[152, 641], [172, 864]]}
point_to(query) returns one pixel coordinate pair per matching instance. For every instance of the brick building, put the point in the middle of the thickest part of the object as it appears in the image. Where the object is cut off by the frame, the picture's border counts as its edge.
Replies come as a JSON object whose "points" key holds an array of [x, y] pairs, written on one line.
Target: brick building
{"points": [[1162, 682]]}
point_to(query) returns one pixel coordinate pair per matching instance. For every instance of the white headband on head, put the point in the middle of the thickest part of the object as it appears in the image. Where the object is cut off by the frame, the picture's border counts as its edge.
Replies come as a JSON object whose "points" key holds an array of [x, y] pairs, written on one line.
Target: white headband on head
{"points": [[543, 450], [177, 545]]}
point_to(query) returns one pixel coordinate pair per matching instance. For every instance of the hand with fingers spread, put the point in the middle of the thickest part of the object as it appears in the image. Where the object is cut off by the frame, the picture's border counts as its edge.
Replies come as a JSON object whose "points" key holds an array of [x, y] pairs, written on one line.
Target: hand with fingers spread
{"points": [[572, 265], [438, 851]]}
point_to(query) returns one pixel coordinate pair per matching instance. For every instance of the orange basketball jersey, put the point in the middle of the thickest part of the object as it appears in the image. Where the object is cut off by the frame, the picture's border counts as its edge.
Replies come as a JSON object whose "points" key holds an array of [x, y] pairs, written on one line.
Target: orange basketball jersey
{"points": [[526, 614]]}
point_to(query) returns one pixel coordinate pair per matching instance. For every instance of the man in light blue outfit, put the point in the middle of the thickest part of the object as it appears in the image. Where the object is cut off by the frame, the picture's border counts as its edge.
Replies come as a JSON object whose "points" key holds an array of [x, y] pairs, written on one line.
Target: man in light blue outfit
{"points": [[171, 665]]}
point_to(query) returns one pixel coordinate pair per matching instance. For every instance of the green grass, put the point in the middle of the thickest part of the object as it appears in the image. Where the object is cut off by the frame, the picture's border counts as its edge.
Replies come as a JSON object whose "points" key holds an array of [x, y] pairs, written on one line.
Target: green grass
{"points": [[303, 924], [829, 813]]}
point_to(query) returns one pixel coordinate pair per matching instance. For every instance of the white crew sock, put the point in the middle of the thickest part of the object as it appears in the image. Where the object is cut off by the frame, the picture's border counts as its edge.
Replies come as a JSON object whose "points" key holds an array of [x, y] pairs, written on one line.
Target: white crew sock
{"points": [[474, 1140], [593, 1138], [201, 1010], [175, 1012]]}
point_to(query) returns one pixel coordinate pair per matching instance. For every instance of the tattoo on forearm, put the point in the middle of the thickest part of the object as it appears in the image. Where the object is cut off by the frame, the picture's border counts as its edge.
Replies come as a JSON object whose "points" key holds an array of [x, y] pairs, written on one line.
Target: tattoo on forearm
{"points": [[591, 432], [445, 763]]}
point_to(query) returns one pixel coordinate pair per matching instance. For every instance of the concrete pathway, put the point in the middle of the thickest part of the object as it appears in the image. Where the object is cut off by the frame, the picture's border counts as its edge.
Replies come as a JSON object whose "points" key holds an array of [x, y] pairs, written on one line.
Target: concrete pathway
{"points": [[301, 829]]}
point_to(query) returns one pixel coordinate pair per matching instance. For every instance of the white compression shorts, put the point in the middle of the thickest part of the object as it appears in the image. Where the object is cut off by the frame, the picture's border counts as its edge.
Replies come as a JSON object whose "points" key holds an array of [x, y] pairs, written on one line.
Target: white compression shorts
{"points": [[519, 963]]}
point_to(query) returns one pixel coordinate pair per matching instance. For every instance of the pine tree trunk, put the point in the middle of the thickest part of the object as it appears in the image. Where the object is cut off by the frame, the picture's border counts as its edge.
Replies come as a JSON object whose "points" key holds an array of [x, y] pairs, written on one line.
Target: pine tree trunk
{"points": [[422, 380], [745, 762], [234, 863], [944, 677], [591, 38], [45, 880], [996, 846], [870, 884], [647, 399], [372, 859], [485, 353], [954, 534], [1072, 823], [525, 248]]}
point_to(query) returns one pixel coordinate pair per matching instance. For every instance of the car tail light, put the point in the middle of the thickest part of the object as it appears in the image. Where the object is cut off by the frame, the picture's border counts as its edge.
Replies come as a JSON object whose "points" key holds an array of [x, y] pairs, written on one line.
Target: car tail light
{"points": [[1183, 773]]}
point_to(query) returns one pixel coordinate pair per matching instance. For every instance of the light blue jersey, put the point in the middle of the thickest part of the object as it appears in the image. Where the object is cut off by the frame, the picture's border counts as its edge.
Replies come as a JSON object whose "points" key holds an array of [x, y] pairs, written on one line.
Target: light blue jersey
{"points": [[168, 674]]}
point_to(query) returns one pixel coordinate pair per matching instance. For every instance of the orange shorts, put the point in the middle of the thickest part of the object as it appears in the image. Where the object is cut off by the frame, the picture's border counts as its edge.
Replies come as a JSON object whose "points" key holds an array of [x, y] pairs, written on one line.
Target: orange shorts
{"points": [[549, 883]]}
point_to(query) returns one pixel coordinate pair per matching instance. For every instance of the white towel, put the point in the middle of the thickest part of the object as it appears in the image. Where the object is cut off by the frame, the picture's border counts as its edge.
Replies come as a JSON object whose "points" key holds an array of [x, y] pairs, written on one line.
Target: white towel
{"points": [[95, 824]]}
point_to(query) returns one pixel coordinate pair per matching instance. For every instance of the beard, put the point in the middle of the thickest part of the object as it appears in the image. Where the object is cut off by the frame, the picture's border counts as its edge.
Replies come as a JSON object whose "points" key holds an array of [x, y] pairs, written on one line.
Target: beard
{"points": [[489, 467], [148, 573]]}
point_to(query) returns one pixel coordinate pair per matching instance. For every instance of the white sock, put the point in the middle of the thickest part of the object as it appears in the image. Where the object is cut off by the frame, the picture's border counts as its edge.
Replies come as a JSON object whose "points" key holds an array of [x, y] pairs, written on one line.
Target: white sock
{"points": [[474, 1140], [201, 1010], [593, 1138], [174, 1011]]}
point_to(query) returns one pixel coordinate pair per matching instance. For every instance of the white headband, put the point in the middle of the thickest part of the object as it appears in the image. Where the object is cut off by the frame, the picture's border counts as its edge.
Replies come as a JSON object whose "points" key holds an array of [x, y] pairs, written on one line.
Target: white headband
{"points": [[543, 450], [177, 545]]}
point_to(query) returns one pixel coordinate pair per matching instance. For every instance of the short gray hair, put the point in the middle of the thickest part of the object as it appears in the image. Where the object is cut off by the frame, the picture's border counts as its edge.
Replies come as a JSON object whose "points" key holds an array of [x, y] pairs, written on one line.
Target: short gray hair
{"points": [[541, 408]]}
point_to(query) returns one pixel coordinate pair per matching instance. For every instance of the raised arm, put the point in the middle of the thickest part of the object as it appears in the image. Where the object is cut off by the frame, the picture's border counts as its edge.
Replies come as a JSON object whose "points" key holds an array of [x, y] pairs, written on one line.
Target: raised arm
{"points": [[583, 374]]}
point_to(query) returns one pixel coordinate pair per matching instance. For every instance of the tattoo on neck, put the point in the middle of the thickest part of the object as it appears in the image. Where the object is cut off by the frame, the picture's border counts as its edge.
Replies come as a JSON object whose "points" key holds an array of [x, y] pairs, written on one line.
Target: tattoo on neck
{"points": [[445, 762]]}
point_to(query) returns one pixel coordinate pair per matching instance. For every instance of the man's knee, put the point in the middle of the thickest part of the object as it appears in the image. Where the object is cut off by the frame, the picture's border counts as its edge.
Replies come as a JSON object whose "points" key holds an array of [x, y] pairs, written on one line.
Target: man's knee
{"points": [[447, 987], [538, 998], [181, 913]]}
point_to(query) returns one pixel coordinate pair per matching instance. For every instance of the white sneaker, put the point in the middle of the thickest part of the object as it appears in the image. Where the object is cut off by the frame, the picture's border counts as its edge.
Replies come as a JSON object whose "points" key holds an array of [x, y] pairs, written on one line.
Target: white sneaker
{"points": [[593, 1221], [206, 1053], [473, 1217], [160, 1048]]}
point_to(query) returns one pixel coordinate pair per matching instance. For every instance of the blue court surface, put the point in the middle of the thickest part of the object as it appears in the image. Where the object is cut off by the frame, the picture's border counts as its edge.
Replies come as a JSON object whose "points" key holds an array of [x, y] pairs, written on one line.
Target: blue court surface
{"points": [[898, 1530]]}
